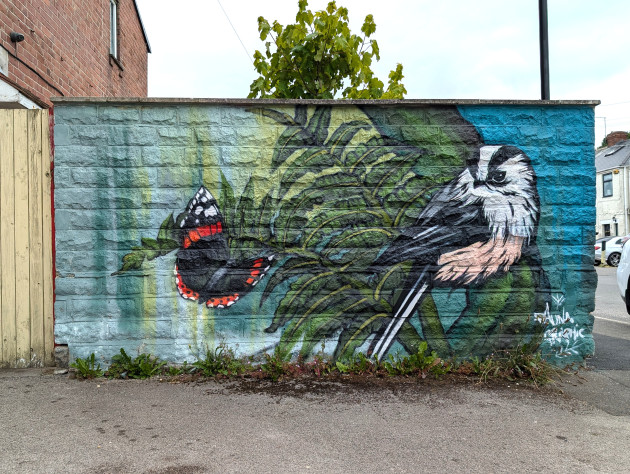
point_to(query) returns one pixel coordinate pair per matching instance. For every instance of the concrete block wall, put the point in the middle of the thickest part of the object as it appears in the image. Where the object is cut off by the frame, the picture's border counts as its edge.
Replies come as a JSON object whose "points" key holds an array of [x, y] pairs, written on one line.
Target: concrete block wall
{"points": [[332, 227]]}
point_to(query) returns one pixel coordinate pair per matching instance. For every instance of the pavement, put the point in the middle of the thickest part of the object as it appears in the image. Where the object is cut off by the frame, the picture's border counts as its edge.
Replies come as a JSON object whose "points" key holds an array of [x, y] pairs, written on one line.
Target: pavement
{"points": [[51, 423], [605, 384]]}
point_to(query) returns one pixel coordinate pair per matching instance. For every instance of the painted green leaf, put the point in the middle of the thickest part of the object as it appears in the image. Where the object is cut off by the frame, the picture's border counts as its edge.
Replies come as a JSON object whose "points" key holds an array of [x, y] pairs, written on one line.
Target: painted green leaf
{"points": [[167, 229], [291, 268], [495, 313], [151, 248], [131, 261]]}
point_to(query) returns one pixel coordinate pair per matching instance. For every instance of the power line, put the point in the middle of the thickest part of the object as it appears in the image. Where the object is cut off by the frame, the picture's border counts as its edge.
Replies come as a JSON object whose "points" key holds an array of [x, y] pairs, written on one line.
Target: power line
{"points": [[235, 32], [616, 103]]}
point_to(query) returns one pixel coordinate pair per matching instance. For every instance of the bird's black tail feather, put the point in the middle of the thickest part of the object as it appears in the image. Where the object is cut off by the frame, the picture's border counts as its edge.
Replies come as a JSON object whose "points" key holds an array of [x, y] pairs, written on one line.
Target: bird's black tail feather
{"points": [[403, 309]]}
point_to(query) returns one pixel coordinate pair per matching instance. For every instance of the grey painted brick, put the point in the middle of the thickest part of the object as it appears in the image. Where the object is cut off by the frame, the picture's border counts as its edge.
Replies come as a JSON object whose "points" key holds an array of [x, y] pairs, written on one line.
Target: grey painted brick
{"points": [[120, 156], [199, 116], [143, 329], [77, 155], [128, 284], [132, 219], [249, 135], [88, 134], [161, 115], [140, 135], [80, 240], [78, 286], [83, 114], [82, 177], [73, 333], [238, 117], [87, 310], [213, 136], [81, 261], [114, 114], [229, 156], [62, 135], [163, 156], [173, 136], [62, 178]]}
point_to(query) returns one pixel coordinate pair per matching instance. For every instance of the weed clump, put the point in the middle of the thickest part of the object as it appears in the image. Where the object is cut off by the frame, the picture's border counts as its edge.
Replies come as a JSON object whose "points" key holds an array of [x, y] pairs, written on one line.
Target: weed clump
{"points": [[220, 361], [141, 367], [87, 368], [519, 363]]}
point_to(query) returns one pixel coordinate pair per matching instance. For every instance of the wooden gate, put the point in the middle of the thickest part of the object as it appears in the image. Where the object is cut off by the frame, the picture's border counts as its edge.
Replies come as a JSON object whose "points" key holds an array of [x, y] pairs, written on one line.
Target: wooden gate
{"points": [[26, 275]]}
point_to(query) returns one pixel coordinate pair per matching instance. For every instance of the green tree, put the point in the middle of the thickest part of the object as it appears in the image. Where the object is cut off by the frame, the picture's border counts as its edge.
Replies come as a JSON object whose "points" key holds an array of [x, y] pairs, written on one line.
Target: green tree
{"points": [[318, 56]]}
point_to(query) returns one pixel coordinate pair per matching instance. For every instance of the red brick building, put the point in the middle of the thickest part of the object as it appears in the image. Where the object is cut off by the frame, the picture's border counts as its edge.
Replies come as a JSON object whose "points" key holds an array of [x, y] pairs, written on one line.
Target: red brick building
{"points": [[53, 48]]}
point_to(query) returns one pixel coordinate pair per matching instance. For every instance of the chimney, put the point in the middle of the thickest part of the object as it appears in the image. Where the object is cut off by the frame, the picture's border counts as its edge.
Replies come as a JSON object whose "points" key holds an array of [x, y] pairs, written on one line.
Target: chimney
{"points": [[615, 137]]}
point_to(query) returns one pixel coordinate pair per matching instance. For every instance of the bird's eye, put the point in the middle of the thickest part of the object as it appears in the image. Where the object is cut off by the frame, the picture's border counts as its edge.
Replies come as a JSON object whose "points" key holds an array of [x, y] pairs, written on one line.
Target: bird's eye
{"points": [[497, 177]]}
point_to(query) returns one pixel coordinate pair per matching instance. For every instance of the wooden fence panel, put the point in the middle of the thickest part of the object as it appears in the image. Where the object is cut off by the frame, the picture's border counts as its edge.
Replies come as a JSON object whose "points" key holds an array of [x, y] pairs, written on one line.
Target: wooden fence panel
{"points": [[26, 319]]}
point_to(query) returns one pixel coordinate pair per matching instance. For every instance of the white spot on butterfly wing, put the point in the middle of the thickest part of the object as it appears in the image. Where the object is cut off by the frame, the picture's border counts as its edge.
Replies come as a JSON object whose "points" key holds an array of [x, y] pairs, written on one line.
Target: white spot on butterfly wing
{"points": [[211, 211], [198, 210]]}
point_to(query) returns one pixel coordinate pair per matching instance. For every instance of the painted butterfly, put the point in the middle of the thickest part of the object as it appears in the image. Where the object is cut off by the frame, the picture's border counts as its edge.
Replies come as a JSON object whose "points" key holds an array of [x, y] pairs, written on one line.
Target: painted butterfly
{"points": [[204, 271]]}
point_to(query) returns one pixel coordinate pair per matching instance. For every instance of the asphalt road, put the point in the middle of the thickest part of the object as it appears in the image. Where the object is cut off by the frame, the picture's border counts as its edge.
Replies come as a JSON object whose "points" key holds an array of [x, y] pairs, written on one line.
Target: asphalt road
{"points": [[611, 329], [54, 424]]}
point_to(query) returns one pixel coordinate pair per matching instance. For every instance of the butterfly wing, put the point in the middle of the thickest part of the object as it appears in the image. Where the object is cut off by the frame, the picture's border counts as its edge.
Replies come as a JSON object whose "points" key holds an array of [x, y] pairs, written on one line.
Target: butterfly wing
{"points": [[203, 245], [204, 271]]}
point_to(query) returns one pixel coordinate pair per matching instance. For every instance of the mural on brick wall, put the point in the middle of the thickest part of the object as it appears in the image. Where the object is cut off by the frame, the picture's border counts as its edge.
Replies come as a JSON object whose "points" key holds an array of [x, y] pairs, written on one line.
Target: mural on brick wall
{"points": [[375, 232]]}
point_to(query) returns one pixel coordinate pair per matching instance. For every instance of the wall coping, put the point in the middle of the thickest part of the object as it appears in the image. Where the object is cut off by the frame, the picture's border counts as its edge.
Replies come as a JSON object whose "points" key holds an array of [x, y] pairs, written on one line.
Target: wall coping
{"points": [[251, 102]]}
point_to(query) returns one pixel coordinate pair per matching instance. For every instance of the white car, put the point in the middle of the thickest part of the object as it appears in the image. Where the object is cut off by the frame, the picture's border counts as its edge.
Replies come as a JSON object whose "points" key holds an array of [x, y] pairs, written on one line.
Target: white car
{"points": [[613, 249], [623, 276]]}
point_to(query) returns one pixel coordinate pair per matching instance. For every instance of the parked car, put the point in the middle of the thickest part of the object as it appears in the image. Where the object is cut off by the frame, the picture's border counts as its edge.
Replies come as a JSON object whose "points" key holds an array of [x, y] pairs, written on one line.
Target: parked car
{"points": [[623, 276], [613, 249]]}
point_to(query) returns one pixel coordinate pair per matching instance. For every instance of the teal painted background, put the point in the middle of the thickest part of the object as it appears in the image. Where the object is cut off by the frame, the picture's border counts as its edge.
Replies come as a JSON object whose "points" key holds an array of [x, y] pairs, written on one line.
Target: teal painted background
{"points": [[121, 170]]}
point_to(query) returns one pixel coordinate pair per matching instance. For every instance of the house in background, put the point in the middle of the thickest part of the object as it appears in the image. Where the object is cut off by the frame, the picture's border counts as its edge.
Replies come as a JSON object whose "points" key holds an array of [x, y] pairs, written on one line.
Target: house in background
{"points": [[612, 165], [70, 48]]}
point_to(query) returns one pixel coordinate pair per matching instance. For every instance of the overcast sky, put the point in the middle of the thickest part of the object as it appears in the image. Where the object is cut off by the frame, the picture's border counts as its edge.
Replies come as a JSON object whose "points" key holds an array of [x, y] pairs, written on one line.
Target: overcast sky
{"points": [[451, 49]]}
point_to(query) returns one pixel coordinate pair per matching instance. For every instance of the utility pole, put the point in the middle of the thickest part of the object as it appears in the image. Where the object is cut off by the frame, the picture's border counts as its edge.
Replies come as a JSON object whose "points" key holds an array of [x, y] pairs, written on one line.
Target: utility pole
{"points": [[544, 49]]}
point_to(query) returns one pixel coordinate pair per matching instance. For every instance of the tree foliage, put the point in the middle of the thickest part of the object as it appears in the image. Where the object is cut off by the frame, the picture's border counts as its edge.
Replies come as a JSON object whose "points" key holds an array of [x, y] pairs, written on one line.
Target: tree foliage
{"points": [[318, 57]]}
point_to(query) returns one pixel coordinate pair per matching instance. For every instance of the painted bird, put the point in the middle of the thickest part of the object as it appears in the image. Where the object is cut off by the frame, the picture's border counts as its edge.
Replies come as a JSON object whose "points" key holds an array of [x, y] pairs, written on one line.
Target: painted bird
{"points": [[475, 227]]}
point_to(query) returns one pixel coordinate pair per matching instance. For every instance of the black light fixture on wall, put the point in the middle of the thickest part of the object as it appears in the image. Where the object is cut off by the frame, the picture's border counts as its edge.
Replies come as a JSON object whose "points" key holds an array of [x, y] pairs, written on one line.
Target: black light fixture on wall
{"points": [[16, 37]]}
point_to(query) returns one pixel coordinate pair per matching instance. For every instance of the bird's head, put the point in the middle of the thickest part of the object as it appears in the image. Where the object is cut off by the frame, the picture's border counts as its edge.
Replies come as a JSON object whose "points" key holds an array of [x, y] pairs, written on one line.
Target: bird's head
{"points": [[502, 181]]}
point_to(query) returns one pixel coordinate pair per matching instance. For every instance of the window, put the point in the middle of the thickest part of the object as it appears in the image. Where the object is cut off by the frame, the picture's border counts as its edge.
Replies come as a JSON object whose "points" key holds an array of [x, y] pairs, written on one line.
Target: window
{"points": [[608, 191], [113, 28], [606, 230]]}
